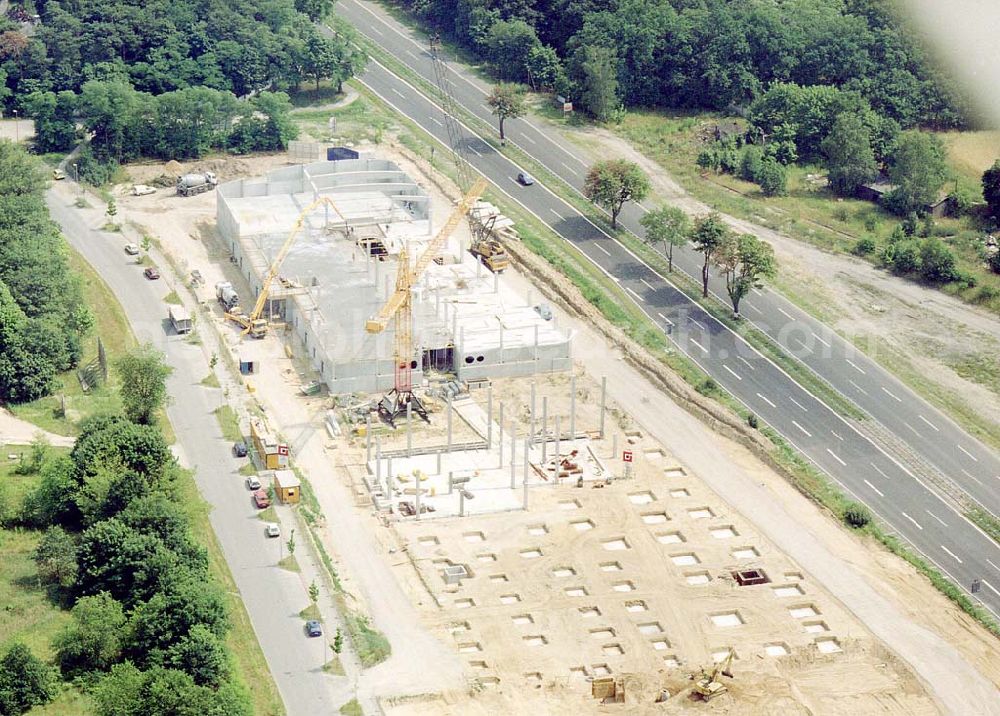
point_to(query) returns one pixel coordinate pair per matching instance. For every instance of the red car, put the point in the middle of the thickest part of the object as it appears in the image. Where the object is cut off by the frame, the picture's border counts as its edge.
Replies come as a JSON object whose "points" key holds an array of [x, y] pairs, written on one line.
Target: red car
{"points": [[261, 499], [151, 273]]}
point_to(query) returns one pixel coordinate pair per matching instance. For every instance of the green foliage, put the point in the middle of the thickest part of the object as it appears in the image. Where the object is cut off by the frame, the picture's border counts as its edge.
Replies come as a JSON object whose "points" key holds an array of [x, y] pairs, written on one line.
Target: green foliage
{"points": [[599, 82], [93, 642], [937, 262], [54, 118], [772, 178], [55, 558], [371, 645], [143, 374], [506, 101], [25, 681], [708, 235], [850, 160], [750, 162], [128, 691], [37, 455], [857, 515], [669, 226], [903, 257], [865, 246], [991, 190], [507, 45], [338, 641], [746, 262], [917, 168], [613, 182]]}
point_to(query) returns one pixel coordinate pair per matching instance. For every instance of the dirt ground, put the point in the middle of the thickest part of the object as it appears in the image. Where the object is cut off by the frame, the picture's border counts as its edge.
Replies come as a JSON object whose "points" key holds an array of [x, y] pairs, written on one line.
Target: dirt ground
{"points": [[408, 600], [891, 319]]}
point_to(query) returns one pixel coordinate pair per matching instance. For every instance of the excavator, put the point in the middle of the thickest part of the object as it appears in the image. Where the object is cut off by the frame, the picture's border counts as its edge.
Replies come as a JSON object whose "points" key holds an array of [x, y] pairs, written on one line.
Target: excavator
{"points": [[708, 686]]}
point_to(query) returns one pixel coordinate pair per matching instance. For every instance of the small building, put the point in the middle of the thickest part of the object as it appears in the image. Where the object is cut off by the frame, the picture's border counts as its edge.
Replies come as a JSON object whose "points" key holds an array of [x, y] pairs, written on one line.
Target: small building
{"points": [[287, 486], [272, 454], [875, 191], [248, 361], [727, 129]]}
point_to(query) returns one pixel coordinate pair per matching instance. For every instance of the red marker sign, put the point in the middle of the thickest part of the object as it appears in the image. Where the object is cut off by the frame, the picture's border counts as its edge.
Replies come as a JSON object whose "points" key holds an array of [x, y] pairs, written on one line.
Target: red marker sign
{"points": [[627, 456]]}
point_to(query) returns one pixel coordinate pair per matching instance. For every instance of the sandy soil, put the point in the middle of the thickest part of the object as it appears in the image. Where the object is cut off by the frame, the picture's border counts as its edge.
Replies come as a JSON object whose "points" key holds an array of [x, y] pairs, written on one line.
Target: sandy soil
{"points": [[882, 313], [864, 677], [14, 431]]}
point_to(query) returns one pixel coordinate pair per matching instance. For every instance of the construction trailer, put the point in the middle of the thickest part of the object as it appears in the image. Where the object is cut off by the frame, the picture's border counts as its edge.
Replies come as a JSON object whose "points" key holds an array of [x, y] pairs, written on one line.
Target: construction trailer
{"points": [[272, 454], [287, 486], [180, 319]]}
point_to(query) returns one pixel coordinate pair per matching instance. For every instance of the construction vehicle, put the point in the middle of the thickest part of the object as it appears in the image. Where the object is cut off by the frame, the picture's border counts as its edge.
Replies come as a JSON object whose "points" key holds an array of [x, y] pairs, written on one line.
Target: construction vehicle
{"points": [[491, 253], [191, 184], [180, 319], [254, 322], [707, 685], [227, 296]]}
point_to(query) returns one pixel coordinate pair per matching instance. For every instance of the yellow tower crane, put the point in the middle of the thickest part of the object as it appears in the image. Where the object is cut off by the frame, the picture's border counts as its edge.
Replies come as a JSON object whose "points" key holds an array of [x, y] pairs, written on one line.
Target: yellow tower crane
{"points": [[254, 322], [399, 307]]}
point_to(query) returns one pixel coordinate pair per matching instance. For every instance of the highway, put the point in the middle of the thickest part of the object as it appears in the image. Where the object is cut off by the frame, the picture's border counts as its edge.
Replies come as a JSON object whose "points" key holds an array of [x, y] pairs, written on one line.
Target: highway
{"points": [[865, 470], [273, 596]]}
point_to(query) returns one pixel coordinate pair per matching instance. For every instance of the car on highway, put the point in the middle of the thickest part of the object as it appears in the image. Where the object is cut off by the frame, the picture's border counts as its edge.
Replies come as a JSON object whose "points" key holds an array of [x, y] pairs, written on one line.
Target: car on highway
{"points": [[131, 249], [152, 273], [525, 179], [314, 628], [543, 310], [261, 499], [253, 483], [273, 529], [240, 449]]}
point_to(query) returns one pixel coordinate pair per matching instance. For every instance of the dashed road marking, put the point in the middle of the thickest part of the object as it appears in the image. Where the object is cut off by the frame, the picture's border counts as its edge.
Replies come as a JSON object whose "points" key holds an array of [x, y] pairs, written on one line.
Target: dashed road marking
{"points": [[754, 308], [399, 93], [821, 340], [798, 403], [855, 366], [971, 476], [530, 139], [698, 344], [785, 313], [598, 246], [890, 394], [475, 151], [834, 456], [734, 373], [571, 169], [836, 436], [807, 433], [912, 520], [698, 323], [992, 588], [974, 458], [665, 319], [638, 297], [766, 400], [879, 470], [377, 31], [747, 363], [877, 491], [410, 53], [912, 429], [936, 517], [437, 121], [865, 392], [648, 284], [803, 345], [993, 565], [957, 559], [929, 423]]}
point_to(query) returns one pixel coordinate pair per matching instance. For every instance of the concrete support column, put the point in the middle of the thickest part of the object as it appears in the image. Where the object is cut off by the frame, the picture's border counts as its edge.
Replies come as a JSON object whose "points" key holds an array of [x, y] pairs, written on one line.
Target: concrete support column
{"points": [[527, 469], [604, 401], [416, 495], [513, 450], [531, 429], [368, 439], [572, 408], [438, 472], [451, 486], [500, 436], [614, 446], [378, 463], [449, 422], [558, 428], [409, 430], [545, 427], [489, 417]]}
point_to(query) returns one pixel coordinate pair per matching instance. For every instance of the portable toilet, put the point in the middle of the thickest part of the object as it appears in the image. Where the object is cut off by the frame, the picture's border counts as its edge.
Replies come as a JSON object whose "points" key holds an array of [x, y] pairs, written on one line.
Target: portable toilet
{"points": [[287, 486], [248, 362]]}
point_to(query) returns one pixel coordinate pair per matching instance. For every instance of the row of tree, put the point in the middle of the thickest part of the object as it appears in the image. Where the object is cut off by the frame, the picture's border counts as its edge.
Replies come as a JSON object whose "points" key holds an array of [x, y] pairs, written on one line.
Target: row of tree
{"points": [[42, 315], [711, 53], [148, 621], [238, 46]]}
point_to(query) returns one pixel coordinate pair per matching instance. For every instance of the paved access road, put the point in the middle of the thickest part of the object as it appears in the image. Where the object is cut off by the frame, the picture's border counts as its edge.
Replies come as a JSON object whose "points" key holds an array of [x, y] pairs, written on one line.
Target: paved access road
{"points": [[863, 469], [273, 596]]}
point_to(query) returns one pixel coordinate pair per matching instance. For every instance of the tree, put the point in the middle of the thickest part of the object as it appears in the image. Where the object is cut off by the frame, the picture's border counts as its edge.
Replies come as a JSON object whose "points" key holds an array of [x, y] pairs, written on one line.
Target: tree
{"points": [[55, 558], [505, 101], [319, 56], [199, 654], [937, 262], [772, 177], [746, 262], [313, 592], [613, 182], [545, 69], [600, 82], [127, 691], [917, 169], [708, 235], [93, 642], [143, 374], [668, 226], [338, 641], [112, 210], [25, 681], [507, 45], [850, 160], [314, 9], [991, 190]]}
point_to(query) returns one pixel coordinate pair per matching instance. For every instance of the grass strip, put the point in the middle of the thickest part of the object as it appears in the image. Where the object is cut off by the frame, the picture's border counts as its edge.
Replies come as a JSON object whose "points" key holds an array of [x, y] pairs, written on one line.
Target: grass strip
{"points": [[229, 423]]}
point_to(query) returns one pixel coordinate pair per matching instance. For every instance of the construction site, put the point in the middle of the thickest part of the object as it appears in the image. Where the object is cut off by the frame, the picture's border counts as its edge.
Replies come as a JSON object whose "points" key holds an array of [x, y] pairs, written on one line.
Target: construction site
{"points": [[550, 523]]}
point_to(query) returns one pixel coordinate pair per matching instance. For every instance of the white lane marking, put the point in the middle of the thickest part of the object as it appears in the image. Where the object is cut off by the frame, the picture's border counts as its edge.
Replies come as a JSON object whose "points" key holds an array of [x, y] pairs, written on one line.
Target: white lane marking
{"points": [[798, 403], [912, 429], [879, 470], [754, 308], [698, 323], [756, 292], [377, 31], [974, 458], [929, 423], [993, 565], [748, 364], [398, 92], [820, 340], [410, 53], [437, 121], [734, 373], [804, 346], [529, 139], [665, 319], [971, 476], [606, 252], [936, 517], [807, 433], [638, 297], [698, 344], [837, 436], [887, 392], [952, 554], [785, 313], [572, 170], [555, 212], [912, 520], [648, 284], [766, 400], [877, 491], [475, 151], [855, 366], [857, 386], [834, 455], [992, 588]]}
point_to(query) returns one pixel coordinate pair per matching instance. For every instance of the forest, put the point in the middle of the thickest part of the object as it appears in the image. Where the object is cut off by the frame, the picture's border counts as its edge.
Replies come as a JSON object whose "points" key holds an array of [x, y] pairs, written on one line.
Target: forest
{"points": [[705, 54]]}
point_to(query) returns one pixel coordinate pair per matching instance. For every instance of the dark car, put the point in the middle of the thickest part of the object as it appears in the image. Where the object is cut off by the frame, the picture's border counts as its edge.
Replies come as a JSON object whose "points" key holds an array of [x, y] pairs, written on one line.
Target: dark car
{"points": [[525, 179], [151, 273], [314, 628], [239, 449]]}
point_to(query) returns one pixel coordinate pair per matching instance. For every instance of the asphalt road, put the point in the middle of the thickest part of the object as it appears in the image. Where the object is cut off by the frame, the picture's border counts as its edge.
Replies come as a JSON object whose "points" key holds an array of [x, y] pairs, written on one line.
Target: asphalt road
{"points": [[273, 596], [912, 509]]}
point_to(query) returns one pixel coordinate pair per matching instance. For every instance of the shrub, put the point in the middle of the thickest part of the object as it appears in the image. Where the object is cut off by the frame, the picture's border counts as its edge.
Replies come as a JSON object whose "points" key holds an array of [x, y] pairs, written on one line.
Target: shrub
{"points": [[865, 246], [937, 262], [750, 162], [772, 178], [752, 421], [905, 257], [857, 515], [871, 222], [993, 261]]}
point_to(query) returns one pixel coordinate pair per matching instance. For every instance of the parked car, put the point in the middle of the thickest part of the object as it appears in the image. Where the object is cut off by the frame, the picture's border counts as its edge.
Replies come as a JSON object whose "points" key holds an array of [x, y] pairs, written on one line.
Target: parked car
{"points": [[58, 174], [525, 179], [253, 483], [543, 310], [152, 273], [131, 249], [314, 628], [143, 190], [261, 499], [273, 529], [240, 449]]}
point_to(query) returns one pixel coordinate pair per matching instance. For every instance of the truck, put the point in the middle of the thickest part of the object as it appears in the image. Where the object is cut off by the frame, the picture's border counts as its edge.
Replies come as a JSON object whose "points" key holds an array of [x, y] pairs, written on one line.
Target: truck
{"points": [[191, 184], [491, 253], [227, 296], [180, 319]]}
